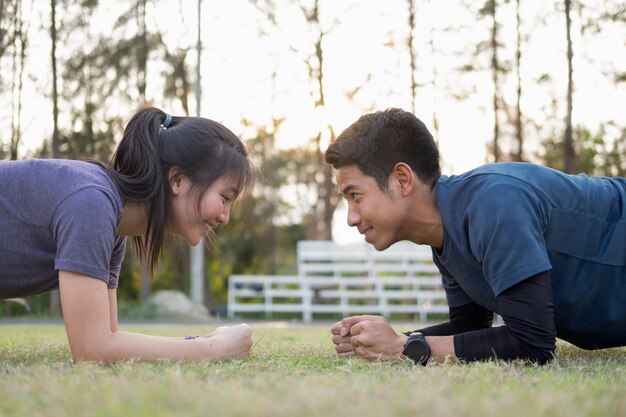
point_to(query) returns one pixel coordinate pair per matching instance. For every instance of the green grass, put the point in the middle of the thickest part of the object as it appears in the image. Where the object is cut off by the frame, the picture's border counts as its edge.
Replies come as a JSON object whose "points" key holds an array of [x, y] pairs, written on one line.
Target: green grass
{"points": [[293, 371]]}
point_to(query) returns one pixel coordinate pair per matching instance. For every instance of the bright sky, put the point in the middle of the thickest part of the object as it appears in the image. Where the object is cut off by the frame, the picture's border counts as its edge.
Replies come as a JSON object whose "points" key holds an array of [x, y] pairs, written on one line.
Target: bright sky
{"points": [[357, 54], [364, 49]]}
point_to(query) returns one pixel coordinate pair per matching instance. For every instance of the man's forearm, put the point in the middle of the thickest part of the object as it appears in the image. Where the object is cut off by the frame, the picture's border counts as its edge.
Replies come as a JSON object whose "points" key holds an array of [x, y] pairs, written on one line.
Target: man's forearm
{"points": [[497, 342], [528, 334], [462, 319], [441, 348]]}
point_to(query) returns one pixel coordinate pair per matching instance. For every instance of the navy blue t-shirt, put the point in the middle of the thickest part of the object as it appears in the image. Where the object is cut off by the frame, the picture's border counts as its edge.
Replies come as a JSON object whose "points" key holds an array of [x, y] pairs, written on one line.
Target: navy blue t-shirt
{"points": [[57, 215], [504, 223]]}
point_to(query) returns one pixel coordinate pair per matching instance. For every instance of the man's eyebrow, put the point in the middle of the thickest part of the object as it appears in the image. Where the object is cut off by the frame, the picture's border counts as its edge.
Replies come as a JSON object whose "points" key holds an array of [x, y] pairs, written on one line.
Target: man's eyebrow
{"points": [[349, 188]]}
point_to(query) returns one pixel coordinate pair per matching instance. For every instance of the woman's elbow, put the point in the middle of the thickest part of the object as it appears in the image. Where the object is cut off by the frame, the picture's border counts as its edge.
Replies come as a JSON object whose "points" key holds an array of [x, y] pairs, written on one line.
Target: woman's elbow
{"points": [[87, 356], [90, 354], [91, 351]]}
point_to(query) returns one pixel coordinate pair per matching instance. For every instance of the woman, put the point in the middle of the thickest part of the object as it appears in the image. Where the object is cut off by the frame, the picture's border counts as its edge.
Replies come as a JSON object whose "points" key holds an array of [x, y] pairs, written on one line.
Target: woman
{"points": [[64, 224]]}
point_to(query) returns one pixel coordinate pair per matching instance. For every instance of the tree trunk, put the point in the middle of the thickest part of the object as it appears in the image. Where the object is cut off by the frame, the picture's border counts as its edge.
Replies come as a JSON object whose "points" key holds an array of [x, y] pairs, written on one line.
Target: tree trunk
{"points": [[55, 303], [412, 53], [2, 32], [519, 134], [6, 34], [323, 212], [330, 192], [197, 276], [14, 74], [16, 126], [56, 145], [569, 163], [142, 50], [142, 58], [495, 69], [434, 82]]}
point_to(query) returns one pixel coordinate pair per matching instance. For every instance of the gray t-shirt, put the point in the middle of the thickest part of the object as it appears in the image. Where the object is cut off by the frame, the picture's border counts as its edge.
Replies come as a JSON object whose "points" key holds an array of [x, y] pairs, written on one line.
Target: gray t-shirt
{"points": [[57, 215]]}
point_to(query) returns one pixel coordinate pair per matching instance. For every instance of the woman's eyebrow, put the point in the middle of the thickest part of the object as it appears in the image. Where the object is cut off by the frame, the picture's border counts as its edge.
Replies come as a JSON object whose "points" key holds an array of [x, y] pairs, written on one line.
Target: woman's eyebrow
{"points": [[232, 189]]}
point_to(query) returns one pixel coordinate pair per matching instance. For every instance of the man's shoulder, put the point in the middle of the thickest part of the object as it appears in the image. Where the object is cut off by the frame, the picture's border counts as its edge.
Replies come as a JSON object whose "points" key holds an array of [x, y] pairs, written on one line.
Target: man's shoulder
{"points": [[502, 171], [497, 178], [491, 189]]}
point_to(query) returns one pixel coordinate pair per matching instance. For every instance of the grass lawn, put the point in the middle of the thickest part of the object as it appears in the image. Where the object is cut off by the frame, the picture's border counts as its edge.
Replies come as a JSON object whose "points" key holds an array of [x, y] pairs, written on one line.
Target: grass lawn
{"points": [[293, 371]]}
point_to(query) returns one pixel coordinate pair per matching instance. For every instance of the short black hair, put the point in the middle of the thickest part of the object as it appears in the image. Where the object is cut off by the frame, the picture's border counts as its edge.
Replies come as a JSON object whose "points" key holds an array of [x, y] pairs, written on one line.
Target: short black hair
{"points": [[376, 142]]}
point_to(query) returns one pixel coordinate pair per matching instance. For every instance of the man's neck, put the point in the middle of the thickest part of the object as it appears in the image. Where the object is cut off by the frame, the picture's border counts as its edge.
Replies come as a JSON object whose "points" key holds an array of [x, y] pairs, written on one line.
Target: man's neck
{"points": [[425, 225]]}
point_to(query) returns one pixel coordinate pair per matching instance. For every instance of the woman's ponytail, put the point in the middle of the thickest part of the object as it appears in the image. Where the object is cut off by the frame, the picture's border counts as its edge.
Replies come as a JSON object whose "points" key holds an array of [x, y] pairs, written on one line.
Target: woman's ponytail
{"points": [[143, 178]]}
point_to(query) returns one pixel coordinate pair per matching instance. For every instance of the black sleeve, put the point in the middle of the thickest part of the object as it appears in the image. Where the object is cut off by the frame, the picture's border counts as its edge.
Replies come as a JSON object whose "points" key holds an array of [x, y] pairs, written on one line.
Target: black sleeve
{"points": [[462, 319], [528, 333]]}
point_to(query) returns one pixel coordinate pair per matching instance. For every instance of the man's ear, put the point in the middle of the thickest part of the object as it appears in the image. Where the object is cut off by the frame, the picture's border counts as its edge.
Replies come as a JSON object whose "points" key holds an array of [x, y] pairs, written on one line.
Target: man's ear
{"points": [[404, 176]]}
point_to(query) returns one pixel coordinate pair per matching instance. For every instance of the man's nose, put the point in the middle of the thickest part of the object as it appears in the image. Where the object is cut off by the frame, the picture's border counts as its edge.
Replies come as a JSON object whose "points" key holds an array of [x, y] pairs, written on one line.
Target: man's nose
{"points": [[353, 217]]}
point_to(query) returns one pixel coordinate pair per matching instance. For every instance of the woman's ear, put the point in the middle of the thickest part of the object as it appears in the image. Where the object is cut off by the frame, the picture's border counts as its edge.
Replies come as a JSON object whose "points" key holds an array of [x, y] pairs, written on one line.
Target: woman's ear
{"points": [[404, 177], [175, 178]]}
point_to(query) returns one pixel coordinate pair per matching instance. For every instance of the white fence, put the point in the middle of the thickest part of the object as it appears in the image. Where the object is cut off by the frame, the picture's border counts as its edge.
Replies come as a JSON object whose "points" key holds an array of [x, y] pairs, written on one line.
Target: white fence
{"points": [[346, 280]]}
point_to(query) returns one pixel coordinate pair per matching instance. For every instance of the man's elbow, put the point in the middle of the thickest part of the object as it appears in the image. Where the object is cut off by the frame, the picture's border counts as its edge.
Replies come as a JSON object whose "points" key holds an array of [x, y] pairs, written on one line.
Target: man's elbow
{"points": [[543, 352], [543, 355]]}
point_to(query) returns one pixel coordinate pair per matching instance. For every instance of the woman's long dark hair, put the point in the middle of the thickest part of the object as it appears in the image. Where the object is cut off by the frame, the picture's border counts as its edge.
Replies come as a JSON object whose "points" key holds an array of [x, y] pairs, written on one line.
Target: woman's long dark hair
{"points": [[199, 148]]}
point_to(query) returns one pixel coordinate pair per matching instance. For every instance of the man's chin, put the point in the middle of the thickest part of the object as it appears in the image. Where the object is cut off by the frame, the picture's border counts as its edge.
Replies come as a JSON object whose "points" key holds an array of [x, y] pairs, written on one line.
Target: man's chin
{"points": [[381, 248], [380, 245]]}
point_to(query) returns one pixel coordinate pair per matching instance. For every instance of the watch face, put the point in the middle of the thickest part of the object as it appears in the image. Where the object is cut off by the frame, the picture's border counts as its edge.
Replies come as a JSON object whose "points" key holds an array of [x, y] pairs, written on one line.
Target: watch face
{"points": [[417, 349]]}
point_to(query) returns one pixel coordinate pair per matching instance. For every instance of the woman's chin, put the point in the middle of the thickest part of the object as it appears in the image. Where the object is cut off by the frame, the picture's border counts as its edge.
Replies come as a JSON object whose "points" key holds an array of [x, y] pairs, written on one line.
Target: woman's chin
{"points": [[193, 240]]}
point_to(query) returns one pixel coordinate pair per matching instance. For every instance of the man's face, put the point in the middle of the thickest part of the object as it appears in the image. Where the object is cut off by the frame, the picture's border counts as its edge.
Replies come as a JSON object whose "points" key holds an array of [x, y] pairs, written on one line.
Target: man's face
{"points": [[376, 214]]}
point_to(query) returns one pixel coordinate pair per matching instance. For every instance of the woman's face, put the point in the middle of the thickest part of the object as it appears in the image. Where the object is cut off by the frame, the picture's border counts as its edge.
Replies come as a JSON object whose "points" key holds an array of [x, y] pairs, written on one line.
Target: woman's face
{"points": [[215, 206]]}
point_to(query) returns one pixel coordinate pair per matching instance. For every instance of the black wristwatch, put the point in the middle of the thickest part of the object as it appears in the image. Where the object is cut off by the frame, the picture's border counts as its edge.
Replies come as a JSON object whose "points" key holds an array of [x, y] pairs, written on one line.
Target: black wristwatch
{"points": [[417, 349]]}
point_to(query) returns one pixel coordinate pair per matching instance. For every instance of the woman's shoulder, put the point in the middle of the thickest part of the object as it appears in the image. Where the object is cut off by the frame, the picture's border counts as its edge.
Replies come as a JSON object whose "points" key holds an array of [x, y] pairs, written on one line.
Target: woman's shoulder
{"points": [[72, 174], [51, 168], [50, 181], [88, 180]]}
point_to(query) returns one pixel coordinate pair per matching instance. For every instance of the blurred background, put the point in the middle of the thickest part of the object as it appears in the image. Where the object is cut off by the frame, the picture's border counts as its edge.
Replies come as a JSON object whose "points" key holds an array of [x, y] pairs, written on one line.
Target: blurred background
{"points": [[494, 80]]}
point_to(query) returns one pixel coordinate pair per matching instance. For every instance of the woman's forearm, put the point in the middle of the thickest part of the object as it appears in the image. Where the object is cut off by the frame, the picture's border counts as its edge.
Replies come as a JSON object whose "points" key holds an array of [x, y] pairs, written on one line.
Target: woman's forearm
{"points": [[224, 343]]}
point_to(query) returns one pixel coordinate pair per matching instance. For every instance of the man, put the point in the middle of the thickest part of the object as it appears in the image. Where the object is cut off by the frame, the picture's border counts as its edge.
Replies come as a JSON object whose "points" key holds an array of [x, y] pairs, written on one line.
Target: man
{"points": [[544, 250]]}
